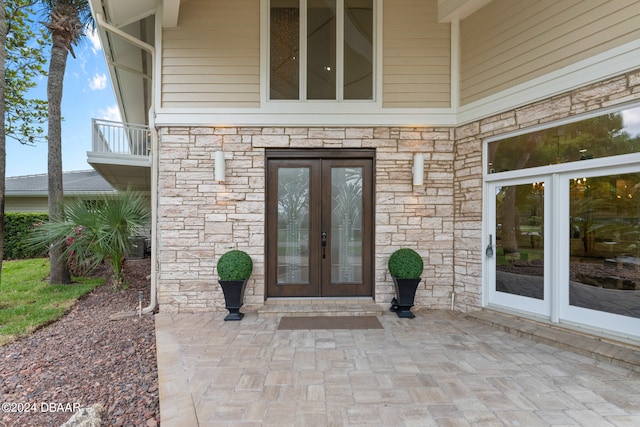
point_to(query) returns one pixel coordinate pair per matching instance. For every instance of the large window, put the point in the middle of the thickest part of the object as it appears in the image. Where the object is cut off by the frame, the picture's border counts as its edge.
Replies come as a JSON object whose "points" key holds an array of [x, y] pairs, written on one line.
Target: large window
{"points": [[321, 49]]}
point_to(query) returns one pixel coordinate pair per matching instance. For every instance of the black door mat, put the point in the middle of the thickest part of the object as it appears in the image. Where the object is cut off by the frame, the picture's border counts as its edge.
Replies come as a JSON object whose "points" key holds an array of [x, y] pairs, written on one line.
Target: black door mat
{"points": [[329, 322]]}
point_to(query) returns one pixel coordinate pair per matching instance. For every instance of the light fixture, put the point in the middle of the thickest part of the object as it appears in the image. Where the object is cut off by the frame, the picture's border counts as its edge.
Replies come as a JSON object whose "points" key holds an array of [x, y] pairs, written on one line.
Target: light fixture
{"points": [[418, 169], [218, 171]]}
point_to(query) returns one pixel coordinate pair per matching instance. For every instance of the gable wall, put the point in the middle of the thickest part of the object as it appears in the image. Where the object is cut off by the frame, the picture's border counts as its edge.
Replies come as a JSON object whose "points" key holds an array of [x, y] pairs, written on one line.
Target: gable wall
{"points": [[507, 43], [416, 56], [212, 58]]}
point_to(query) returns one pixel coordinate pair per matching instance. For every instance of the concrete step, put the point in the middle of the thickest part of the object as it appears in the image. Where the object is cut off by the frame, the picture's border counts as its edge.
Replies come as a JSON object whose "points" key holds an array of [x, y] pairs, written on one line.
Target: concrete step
{"points": [[279, 307], [612, 350]]}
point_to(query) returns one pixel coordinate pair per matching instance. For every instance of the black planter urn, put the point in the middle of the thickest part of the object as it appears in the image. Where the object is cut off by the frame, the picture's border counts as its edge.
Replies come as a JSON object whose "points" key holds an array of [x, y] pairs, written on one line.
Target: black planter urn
{"points": [[233, 297], [405, 294]]}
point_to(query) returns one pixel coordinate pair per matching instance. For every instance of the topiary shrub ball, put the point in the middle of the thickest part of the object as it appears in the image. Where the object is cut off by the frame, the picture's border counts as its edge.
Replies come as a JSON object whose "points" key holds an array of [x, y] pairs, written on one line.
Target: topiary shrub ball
{"points": [[235, 265], [405, 264]]}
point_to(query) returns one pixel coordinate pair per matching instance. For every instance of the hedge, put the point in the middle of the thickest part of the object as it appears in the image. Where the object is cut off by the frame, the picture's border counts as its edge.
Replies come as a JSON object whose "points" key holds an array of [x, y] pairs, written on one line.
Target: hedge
{"points": [[17, 227]]}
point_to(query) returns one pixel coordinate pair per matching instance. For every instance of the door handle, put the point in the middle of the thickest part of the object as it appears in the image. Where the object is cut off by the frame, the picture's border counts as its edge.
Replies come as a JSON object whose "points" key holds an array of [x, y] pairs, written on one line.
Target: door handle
{"points": [[324, 244], [489, 250]]}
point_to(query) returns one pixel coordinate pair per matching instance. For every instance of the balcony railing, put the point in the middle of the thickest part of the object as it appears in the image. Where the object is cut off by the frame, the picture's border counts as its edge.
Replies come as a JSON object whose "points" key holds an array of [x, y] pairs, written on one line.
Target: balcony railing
{"points": [[120, 138]]}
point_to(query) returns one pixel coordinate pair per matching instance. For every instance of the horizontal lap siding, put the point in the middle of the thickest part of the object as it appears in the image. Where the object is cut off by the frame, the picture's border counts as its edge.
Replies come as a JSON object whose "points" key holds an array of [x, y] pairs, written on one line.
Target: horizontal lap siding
{"points": [[416, 56], [212, 58], [507, 43]]}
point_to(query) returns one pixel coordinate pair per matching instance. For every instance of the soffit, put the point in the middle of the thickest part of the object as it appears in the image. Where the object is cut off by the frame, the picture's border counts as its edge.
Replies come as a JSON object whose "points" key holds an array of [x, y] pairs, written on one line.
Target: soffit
{"points": [[123, 12]]}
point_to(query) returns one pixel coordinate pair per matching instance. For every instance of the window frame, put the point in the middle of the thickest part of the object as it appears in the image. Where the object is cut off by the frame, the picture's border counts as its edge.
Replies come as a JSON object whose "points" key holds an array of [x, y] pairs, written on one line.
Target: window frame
{"points": [[376, 89]]}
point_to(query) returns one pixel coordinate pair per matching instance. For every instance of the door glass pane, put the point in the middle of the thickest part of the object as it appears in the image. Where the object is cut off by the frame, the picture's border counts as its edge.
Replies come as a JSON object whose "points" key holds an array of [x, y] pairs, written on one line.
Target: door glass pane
{"points": [[284, 49], [346, 225], [358, 49], [605, 243], [293, 225], [519, 240], [321, 49]]}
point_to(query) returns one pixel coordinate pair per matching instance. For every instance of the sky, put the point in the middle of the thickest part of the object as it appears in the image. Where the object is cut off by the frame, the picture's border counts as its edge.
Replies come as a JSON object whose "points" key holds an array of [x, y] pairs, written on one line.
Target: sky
{"points": [[87, 94]]}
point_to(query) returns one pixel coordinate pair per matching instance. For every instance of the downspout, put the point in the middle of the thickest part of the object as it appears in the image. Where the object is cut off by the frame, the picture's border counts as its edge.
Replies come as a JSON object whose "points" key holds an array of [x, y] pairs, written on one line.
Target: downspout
{"points": [[154, 150], [455, 105]]}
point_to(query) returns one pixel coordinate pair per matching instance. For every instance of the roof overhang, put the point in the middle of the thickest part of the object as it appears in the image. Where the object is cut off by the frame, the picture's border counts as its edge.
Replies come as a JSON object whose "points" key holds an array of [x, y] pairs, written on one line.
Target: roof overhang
{"points": [[124, 12], [130, 67]]}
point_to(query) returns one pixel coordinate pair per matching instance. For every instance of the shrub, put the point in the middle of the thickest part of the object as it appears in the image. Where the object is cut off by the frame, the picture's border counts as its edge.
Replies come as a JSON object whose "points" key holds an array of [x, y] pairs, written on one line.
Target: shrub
{"points": [[235, 265], [97, 232], [405, 264], [18, 227]]}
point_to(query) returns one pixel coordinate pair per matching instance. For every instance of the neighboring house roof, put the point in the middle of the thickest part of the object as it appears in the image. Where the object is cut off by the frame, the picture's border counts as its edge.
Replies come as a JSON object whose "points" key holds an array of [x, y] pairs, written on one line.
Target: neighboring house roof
{"points": [[73, 183]]}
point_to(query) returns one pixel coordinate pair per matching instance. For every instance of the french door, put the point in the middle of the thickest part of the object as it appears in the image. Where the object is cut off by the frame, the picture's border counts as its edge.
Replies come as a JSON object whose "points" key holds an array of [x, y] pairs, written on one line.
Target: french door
{"points": [[517, 254], [564, 247], [319, 223]]}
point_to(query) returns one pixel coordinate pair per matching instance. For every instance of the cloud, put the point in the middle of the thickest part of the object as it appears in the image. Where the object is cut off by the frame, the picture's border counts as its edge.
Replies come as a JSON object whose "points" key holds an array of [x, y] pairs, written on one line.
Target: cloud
{"points": [[632, 121], [92, 36], [98, 82], [111, 113]]}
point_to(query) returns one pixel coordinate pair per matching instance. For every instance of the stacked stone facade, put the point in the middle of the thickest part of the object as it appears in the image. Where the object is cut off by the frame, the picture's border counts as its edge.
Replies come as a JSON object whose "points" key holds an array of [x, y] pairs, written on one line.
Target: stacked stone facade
{"points": [[199, 219], [468, 182]]}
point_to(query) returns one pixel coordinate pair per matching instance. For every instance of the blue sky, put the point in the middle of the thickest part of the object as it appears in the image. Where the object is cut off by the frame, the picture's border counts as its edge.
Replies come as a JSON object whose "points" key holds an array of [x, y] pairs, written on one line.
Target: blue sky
{"points": [[87, 94]]}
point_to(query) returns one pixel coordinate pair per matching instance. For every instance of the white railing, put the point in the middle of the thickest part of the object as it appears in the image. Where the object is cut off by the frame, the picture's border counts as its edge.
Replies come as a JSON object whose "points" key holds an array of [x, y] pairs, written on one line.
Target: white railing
{"points": [[120, 138]]}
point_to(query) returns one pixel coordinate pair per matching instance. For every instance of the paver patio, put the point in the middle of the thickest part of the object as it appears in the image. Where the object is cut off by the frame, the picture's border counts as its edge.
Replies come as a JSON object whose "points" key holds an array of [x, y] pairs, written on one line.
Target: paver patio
{"points": [[439, 369]]}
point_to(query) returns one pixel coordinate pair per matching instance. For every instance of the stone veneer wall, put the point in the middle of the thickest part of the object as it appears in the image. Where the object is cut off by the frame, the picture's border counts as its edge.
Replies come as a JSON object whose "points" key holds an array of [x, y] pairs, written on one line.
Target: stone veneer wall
{"points": [[200, 219]]}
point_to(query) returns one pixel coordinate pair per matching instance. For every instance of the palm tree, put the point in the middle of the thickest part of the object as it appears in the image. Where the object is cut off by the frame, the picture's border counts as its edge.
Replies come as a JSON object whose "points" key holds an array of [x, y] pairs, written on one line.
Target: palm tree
{"points": [[99, 230], [66, 20]]}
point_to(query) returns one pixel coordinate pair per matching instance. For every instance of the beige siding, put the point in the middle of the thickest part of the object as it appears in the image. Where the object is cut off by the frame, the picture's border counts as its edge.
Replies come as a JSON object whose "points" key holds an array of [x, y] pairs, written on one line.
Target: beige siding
{"points": [[416, 55], [507, 42], [212, 58], [26, 204]]}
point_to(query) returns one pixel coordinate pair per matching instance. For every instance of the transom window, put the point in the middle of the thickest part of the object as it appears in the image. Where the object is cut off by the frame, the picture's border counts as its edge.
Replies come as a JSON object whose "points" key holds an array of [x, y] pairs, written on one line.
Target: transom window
{"points": [[607, 135], [321, 49]]}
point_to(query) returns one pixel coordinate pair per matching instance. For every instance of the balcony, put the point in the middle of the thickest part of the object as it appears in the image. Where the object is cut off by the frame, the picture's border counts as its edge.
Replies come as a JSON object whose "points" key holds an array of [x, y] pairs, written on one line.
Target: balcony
{"points": [[121, 153]]}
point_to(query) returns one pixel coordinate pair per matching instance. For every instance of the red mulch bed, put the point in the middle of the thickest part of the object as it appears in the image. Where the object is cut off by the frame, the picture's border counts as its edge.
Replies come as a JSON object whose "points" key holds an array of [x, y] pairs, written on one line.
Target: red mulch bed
{"points": [[84, 358]]}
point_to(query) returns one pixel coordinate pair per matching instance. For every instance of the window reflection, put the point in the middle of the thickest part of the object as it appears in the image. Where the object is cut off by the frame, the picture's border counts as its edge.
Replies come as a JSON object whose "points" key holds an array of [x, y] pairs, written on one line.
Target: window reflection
{"points": [[604, 243], [604, 136], [520, 240], [293, 225], [358, 49], [346, 225], [321, 49], [284, 49]]}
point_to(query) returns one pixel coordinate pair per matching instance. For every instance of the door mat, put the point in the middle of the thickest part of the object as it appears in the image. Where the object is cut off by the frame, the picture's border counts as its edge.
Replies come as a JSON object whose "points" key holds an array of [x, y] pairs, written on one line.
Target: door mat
{"points": [[329, 322]]}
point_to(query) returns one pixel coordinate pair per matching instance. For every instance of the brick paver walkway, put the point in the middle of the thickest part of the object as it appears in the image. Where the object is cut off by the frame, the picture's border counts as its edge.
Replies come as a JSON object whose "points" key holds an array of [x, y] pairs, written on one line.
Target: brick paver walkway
{"points": [[439, 369]]}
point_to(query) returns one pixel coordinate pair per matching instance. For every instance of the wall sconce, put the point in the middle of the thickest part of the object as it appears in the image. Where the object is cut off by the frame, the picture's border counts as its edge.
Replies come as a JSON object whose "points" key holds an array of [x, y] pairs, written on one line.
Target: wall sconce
{"points": [[219, 168], [418, 169]]}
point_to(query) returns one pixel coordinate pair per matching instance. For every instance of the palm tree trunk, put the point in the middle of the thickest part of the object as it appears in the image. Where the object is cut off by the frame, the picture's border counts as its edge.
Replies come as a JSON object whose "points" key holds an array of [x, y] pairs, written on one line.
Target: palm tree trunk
{"points": [[3, 139], [59, 270]]}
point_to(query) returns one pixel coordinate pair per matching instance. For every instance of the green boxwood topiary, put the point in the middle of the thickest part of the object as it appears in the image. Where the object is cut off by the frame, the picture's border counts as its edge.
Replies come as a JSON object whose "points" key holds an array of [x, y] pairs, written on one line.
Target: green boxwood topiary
{"points": [[405, 264], [235, 265]]}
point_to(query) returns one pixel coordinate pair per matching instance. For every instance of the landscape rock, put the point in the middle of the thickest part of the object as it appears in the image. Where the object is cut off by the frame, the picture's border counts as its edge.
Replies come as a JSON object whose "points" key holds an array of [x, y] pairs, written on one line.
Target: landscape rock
{"points": [[86, 417]]}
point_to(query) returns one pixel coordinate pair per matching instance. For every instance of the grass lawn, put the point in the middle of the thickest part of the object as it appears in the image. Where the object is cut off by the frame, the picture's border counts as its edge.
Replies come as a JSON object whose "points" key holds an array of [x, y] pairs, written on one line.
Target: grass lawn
{"points": [[28, 302]]}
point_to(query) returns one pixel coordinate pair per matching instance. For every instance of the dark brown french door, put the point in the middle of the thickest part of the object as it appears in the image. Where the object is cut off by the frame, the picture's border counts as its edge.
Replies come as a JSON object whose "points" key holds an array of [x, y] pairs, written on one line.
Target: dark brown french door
{"points": [[319, 223]]}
